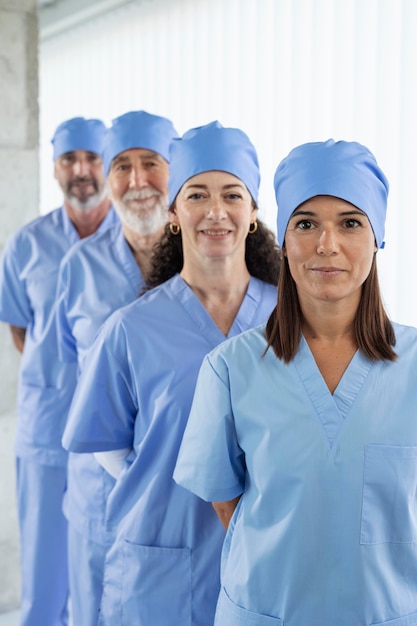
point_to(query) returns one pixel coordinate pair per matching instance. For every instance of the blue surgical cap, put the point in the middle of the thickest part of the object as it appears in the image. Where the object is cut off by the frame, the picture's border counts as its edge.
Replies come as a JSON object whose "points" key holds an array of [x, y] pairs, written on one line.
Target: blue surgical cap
{"points": [[138, 129], [213, 147], [343, 169], [78, 134]]}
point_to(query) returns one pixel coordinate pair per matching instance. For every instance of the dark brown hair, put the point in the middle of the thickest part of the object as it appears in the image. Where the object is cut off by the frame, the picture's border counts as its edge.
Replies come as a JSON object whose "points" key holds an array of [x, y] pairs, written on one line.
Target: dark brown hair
{"points": [[262, 256], [373, 332]]}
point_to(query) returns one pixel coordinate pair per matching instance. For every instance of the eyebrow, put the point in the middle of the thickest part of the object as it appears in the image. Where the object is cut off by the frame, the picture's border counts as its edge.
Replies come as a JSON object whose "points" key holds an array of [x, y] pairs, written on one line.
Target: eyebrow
{"points": [[122, 158], [231, 186], [299, 212]]}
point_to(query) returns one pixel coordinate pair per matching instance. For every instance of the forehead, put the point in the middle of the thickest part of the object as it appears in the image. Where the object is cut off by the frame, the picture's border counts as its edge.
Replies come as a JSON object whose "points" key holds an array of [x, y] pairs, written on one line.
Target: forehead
{"points": [[137, 154], [78, 154], [326, 204], [214, 178]]}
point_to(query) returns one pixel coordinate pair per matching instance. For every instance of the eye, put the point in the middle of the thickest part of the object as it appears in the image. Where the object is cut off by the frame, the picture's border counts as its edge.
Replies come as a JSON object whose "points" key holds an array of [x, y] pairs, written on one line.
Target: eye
{"points": [[195, 196], [150, 164], [120, 168], [352, 223], [234, 196], [67, 160], [304, 225]]}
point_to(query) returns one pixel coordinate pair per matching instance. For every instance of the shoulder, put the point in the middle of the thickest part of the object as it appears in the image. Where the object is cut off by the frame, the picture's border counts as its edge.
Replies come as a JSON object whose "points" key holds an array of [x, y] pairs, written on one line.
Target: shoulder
{"points": [[406, 338], [36, 226], [249, 343], [92, 247]]}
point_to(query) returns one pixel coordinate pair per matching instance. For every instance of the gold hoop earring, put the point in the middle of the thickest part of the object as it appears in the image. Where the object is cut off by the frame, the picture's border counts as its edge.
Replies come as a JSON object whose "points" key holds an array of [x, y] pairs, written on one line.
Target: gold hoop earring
{"points": [[253, 227], [174, 228]]}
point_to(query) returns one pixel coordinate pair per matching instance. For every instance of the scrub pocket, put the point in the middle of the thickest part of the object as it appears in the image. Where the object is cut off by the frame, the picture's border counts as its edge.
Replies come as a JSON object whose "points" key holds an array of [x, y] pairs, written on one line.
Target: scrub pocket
{"points": [[389, 505], [408, 620], [156, 585], [230, 614]]}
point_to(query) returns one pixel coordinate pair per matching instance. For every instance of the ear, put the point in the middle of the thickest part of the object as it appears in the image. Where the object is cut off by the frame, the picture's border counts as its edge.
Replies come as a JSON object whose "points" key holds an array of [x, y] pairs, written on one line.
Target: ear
{"points": [[172, 214]]}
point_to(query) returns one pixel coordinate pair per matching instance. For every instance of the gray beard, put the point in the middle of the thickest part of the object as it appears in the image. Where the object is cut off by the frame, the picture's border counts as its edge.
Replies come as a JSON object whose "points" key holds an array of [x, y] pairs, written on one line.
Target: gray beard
{"points": [[85, 206]]}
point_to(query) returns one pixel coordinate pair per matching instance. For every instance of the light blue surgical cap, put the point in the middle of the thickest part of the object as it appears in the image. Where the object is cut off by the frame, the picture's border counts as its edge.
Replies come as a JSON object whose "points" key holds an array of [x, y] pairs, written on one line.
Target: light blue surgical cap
{"points": [[213, 148], [343, 169], [78, 134], [138, 129]]}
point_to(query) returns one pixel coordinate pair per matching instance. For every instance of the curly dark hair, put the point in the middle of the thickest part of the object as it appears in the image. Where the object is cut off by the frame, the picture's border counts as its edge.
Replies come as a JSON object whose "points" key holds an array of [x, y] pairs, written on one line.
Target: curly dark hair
{"points": [[262, 256]]}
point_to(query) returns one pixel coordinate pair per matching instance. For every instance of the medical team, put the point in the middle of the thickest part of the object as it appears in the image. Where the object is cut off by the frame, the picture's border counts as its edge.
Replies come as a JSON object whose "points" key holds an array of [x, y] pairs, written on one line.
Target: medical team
{"points": [[156, 264]]}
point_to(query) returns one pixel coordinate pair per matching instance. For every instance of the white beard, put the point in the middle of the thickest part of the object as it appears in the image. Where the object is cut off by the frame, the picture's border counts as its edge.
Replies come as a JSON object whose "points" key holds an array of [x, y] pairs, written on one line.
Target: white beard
{"points": [[146, 218]]}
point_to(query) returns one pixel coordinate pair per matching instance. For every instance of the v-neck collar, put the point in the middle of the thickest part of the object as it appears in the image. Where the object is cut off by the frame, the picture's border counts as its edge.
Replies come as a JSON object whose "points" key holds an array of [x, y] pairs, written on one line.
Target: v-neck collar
{"points": [[331, 409], [203, 320]]}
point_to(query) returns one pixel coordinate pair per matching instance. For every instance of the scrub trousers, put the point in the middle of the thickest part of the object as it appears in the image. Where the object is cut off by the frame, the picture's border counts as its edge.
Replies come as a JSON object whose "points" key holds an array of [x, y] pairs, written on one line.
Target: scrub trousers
{"points": [[86, 568], [43, 543]]}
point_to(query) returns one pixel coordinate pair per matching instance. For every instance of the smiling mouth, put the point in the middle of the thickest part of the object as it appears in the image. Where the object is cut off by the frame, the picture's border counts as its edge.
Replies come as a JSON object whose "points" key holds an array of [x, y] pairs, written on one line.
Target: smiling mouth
{"points": [[215, 233]]}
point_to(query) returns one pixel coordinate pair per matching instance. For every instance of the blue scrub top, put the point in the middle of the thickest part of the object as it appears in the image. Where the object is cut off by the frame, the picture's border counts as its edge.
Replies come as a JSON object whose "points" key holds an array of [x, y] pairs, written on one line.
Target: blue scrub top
{"points": [[97, 276], [28, 278], [325, 531], [136, 389]]}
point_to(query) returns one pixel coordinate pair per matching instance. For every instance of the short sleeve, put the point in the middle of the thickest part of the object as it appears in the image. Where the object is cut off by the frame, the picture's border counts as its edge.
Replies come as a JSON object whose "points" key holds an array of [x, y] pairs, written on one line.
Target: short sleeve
{"points": [[104, 406], [15, 307], [210, 463]]}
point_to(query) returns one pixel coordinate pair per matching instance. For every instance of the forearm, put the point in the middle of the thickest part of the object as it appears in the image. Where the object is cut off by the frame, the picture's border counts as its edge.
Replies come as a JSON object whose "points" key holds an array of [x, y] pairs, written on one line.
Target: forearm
{"points": [[225, 510], [18, 336]]}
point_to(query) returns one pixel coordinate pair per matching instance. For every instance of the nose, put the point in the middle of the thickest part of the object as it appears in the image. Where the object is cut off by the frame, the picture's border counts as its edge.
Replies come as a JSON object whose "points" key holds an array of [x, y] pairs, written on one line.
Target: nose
{"points": [[82, 168], [216, 210], [328, 243], [138, 178]]}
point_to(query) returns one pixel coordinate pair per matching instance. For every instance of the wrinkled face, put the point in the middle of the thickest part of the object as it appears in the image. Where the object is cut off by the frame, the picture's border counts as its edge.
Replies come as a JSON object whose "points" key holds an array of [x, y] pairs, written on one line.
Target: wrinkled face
{"points": [[138, 188], [80, 175], [214, 210], [330, 245]]}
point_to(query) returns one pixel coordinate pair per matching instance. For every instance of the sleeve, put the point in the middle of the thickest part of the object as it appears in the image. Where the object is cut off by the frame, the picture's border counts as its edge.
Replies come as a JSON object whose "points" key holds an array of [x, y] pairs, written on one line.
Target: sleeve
{"points": [[113, 461], [15, 306], [211, 463], [67, 345], [104, 406]]}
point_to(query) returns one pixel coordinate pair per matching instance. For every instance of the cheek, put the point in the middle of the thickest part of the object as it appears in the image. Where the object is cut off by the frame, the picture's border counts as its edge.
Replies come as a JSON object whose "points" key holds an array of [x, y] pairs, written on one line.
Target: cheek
{"points": [[117, 189], [159, 181]]}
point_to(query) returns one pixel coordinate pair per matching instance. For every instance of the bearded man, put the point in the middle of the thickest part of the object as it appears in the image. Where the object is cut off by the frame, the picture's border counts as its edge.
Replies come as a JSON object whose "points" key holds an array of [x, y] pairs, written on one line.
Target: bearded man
{"points": [[28, 280], [98, 276]]}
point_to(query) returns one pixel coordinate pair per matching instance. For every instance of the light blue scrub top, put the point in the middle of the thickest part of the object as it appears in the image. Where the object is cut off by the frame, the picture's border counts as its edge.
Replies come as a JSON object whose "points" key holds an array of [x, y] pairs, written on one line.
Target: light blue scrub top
{"points": [[98, 276], [28, 278], [325, 532], [136, 389]]}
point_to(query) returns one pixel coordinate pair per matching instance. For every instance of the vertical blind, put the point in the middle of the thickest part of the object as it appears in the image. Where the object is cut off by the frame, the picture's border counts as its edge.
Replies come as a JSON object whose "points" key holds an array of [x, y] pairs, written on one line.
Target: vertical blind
{"points": [[285, 71]]}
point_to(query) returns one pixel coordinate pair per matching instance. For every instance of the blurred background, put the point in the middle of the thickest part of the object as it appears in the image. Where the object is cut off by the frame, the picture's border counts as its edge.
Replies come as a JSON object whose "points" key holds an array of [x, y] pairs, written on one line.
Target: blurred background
{"points": [[284, 71]]}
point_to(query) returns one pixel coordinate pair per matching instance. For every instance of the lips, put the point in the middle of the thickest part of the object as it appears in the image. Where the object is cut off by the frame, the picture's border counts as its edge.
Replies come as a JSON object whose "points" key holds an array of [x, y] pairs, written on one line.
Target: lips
{"points": [[215, 233]]}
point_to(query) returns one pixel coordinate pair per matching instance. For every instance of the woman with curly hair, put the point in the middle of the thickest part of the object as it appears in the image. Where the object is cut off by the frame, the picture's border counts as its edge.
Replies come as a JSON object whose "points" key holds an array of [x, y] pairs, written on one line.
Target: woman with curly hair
{"points": [[214, 276]]}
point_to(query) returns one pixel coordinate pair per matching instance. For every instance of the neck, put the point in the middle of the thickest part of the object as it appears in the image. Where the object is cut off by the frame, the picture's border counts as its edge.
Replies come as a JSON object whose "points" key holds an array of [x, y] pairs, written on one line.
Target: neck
{"points": [[220, 288], [142, 247], [328, 330], [86, 223], [329, 320]]}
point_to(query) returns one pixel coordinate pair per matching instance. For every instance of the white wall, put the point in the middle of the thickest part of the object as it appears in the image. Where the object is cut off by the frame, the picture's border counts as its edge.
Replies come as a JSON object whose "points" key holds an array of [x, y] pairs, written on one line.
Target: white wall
{"points": [[285, 71]]}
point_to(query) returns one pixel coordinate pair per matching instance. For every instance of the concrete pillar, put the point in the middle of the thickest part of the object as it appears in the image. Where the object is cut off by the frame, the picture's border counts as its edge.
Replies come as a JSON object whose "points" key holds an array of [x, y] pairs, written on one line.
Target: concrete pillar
{"points": [[19, 192]]}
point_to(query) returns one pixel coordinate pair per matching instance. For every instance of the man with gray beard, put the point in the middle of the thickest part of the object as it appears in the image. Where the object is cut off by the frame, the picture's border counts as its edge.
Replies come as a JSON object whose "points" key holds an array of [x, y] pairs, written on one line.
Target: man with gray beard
{"points": [[28, 279], [97, 277]]}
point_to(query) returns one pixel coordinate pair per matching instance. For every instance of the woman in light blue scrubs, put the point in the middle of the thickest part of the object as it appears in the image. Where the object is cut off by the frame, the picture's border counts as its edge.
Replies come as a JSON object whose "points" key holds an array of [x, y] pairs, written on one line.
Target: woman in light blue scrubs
{"points": [[303, 433], [218, 266]]}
